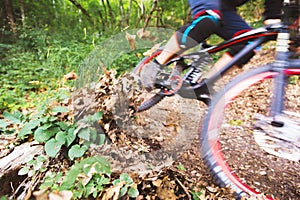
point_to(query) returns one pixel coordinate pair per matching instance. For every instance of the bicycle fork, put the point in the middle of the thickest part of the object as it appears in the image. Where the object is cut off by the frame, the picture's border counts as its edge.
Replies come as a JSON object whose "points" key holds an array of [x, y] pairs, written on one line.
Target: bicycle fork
{"points": [[281, 79]]}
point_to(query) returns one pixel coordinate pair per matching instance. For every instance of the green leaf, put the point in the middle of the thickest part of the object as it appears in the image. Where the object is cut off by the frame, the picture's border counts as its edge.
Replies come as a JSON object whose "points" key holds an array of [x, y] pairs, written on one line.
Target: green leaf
{"points": [[70, 137], [40, 136], [31, 162], [102, 138], [133, 192], [93, 118], [31, 173], [27, 129], [97, 116], [14, 118], [123, 191], [43, 135], [116, 181], [46, 126], [3, 124], [70, 178], [89, 189], [37, 165], [61, 136], [23, 171], [76, 151], [102, 166], [41, 158], [52, 147], [43, 169], [103, 181], [65, 138], [126, 178], [84, 133], [60, 109], [63, 125], [93, 134]]}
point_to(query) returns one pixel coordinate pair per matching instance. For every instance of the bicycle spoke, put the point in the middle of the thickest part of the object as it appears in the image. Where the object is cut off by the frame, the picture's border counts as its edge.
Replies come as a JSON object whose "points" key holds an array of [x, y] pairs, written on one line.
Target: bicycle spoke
{"points": [[264, 157]]}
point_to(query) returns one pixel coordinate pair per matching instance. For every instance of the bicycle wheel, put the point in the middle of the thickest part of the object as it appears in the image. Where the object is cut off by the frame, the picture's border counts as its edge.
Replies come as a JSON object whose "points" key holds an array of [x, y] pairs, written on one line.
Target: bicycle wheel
{"points": [[239, 147]]}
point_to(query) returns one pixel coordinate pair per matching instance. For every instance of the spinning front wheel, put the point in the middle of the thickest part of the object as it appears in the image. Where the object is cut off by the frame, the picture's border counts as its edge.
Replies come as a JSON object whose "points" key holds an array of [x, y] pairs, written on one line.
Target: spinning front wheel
{"points": [[248, 151]]}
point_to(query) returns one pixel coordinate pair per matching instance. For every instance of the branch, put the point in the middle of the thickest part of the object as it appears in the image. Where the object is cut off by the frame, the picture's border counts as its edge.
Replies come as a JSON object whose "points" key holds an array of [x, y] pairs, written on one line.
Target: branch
{"points": [[78, 5]]}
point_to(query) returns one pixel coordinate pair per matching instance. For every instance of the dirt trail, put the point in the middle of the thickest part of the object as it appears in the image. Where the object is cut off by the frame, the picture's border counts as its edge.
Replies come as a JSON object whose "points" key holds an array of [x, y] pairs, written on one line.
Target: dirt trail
{"points": [[159, 147]]}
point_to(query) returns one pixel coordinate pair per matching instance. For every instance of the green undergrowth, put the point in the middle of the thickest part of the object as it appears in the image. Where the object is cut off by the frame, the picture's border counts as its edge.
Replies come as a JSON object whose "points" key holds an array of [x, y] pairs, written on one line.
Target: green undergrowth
{"points": [[91, 177], [52, 126], [33, 67]]}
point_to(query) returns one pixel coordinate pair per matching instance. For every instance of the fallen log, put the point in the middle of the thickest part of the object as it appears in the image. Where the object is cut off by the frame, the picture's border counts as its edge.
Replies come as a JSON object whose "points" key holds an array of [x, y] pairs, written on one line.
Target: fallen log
{"points": [[12, 163]]}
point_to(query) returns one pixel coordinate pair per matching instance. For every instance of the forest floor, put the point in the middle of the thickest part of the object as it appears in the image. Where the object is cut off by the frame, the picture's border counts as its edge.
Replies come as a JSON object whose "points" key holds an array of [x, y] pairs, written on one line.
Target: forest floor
{"points": [[159, 147], [170, 165]]}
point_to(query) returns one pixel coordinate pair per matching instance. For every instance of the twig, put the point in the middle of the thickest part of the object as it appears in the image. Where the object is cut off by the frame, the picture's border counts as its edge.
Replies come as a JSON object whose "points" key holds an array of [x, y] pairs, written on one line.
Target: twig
{"points": [[184, 188]]}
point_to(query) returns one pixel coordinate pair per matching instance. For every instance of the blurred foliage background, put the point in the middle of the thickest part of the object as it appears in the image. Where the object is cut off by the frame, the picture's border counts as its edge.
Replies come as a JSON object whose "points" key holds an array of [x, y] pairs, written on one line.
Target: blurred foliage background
{"points": [[41, 41]]}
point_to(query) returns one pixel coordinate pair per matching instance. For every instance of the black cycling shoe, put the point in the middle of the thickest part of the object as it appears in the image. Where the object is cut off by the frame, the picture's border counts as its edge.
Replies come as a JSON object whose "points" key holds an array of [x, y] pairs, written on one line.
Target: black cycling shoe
{"points": [[200, 91]]}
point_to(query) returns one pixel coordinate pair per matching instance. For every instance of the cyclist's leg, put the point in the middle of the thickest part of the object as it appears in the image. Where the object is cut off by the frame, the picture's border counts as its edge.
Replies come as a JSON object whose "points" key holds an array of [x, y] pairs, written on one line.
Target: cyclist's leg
{"points": [[232, 25], [206, 17]]}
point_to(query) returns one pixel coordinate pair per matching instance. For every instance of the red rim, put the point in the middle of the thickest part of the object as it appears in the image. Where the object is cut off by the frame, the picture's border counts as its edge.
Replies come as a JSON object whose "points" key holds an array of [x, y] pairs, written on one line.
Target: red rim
{"points": [[171, 92], [146, 60], [214, 125]]}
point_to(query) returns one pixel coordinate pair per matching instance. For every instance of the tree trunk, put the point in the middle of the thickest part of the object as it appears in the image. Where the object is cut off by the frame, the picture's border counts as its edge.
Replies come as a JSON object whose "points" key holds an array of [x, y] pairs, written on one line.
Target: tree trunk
{"points": [[153, 9], [128, 13], [10, 15], [103, 14], [122, 16], [110, 11], [142, 15], [22, 8]]}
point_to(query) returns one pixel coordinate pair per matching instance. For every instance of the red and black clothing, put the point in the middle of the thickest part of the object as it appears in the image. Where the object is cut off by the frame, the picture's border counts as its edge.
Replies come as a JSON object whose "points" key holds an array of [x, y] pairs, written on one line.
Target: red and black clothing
{"points": [[219, 17]]}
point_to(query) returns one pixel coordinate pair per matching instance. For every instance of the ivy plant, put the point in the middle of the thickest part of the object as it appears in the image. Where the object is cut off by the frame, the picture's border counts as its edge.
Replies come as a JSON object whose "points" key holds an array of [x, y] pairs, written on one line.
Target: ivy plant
{"points": [[90, 177], [47, 128], [85, 178], [34, 165], [128, 186]]}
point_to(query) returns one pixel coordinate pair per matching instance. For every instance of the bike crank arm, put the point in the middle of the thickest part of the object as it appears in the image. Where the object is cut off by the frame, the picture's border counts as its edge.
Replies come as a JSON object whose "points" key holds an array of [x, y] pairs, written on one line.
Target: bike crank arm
{"points": [[167, 87]]}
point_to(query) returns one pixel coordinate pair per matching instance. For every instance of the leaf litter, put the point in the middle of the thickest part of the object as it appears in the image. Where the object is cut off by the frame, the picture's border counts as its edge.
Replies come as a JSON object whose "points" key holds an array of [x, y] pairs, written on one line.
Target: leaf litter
{"points": [[152, 144]]}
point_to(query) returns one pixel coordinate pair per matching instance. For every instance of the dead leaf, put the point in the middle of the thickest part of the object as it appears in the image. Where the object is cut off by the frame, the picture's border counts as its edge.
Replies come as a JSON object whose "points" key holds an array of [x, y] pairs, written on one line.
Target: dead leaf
{"points": [[143, 34], [157, 183], [212, 189], [89, 176], [131, 39], [152, 50], [166, 189], [70, 76], [35, 82], [63, 195], [113, 192], [41, 195]]}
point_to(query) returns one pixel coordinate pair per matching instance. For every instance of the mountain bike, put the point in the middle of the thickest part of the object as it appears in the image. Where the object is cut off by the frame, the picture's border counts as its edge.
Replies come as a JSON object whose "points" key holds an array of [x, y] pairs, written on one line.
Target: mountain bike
{"points": [[250, 135]]}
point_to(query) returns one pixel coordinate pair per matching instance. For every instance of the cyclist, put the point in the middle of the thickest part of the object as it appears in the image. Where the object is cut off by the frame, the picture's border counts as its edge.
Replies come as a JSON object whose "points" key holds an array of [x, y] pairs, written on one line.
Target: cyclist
{"points": [[209, 17]]}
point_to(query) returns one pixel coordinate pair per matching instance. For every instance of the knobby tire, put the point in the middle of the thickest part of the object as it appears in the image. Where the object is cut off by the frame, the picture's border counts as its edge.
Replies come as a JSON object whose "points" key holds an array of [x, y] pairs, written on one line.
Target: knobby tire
{"points": [[226, 138]]}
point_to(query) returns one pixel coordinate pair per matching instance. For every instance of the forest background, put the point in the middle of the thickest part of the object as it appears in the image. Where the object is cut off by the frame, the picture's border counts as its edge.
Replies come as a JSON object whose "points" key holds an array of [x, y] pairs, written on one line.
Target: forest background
{"points": [[41, 41], [47, 47]]}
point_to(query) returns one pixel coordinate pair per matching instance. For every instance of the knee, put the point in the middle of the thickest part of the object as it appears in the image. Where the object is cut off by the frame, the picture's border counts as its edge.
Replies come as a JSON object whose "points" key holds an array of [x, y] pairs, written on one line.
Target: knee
{"points": [[203, 25]]}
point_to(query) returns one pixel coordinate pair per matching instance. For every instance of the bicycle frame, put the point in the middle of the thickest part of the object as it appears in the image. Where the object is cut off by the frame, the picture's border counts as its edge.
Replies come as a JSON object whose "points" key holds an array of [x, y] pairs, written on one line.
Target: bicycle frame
{"points": [[256, 37], [213, 132]]}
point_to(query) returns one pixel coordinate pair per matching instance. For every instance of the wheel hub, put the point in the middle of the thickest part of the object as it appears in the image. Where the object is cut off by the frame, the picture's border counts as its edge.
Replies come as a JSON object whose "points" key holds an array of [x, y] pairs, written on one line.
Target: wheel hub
{"points": [[282, 141]]}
